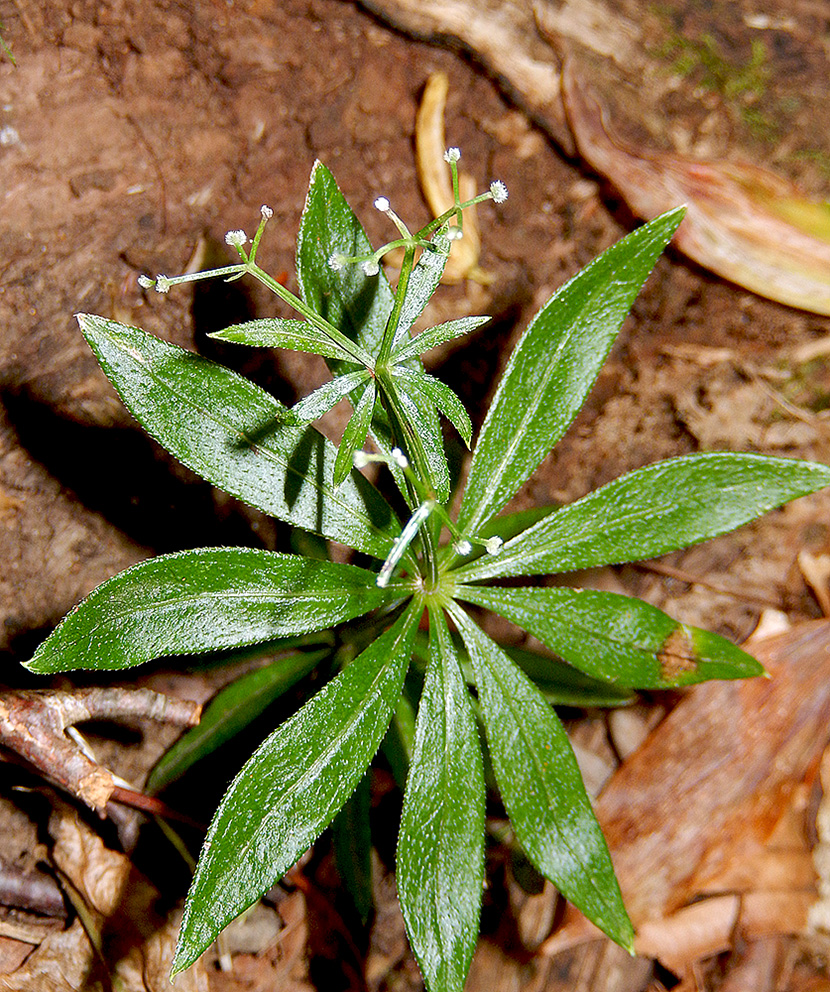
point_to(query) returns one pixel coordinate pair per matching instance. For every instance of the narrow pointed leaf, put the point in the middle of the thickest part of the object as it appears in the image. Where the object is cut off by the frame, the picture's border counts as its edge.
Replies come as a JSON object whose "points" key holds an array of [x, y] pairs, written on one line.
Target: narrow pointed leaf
{"points": [[295, 335], [354, 435], [356, 304], [564, 685], [323, 399], [656, 509], [423, 281], [421, 419], [428, 389], [234, 434], [440, 863], [434, 336], [292, 787], [542, 788], [554, 367], [616, 638], [352, 836], [204, 600], [230, 711]]}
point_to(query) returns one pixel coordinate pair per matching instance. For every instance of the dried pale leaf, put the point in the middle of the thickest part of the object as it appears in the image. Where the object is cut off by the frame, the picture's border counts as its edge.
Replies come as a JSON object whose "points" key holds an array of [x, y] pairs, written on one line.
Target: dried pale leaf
{"points": [[147, 968], [742, 222], [816, 572], [60, 964], [721, 767], [696, 932], [99, 875]]}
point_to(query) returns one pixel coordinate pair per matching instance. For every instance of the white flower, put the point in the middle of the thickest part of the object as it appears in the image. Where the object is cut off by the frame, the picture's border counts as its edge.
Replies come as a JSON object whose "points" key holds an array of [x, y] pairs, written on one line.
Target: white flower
{"points": [[146, 282], [494, 545], [266, 212], [498, 191], [382, 204], [454, 234], [399, 458], [162, 284], [462, 547], [370, 267], [360, 459], [236, 238], [336, 261], [452, 154]]}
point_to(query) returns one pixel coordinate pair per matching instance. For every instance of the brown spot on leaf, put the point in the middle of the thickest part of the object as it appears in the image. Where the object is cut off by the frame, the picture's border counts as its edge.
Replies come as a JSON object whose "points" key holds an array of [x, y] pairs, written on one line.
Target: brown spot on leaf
{"points": [[677, 655]]}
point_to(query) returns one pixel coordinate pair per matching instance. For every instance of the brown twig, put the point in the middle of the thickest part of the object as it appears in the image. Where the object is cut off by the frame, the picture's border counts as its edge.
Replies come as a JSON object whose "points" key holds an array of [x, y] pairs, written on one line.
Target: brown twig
{"points": [[33, 724]]}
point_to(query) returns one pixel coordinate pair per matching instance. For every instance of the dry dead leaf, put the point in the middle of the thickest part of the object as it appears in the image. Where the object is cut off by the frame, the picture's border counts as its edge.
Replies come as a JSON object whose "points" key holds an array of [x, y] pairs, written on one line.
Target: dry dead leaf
{"points": [[700, 808]]}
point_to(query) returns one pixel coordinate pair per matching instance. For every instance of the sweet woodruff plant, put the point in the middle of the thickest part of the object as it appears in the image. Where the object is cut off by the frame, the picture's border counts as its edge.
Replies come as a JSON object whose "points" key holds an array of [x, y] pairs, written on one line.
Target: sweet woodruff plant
{"points": [[417, 677]]}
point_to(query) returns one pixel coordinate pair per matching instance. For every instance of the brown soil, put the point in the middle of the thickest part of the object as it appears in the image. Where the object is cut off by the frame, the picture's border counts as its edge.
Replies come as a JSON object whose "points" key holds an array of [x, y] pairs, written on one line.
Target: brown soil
{"points": [[131, 133]]}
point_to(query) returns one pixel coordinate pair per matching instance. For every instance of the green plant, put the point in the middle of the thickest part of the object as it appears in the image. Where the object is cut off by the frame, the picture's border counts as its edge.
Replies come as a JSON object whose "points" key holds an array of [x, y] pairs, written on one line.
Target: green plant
{"points": [[384, 671]]}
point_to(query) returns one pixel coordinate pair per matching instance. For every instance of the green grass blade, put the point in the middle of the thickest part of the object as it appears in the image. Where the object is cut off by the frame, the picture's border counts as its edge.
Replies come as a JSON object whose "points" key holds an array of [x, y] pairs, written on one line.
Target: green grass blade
{"points": [[554, 367], [209, 599], [542, 787], [234, 434], [617, 639], [440, 862], [292, 787], [656, 509]]}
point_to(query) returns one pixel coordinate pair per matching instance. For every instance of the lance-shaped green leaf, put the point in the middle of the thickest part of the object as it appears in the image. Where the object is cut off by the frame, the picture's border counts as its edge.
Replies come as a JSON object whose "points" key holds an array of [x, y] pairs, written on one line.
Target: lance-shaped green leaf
{"points": [[564, 685], [554, 366], [323, 399], [230, 711], [421, 430], [434, 336], [656, 509], [357, 304], [355, 433], [542, 787], [295, 335], [234, 434], [616, 638], [440, 862], [204, 600], [292, 787], [352, 837], [426, 389], [423, 281]]}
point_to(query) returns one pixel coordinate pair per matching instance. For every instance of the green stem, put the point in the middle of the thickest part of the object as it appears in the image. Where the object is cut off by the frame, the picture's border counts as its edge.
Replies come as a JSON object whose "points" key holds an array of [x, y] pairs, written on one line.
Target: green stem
{"points": [[359, 356], [410, 443], [391, 329]]}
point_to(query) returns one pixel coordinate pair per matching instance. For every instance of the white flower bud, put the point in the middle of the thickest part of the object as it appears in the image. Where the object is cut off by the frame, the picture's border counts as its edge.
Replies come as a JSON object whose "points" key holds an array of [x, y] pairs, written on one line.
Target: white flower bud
{"points": [[452, 154], [493, 545], [236, 238], [360, 459], [162, 284], [399, 458], [266, 212], [462, 547], [454, 234], [382, 204], [498, 191], [146, 282], [336, 261], [370, 267]]}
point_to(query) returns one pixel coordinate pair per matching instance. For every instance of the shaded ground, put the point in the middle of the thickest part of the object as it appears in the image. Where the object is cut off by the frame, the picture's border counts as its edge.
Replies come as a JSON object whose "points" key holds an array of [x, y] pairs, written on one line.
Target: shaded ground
{"points": [[131, 133]]}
